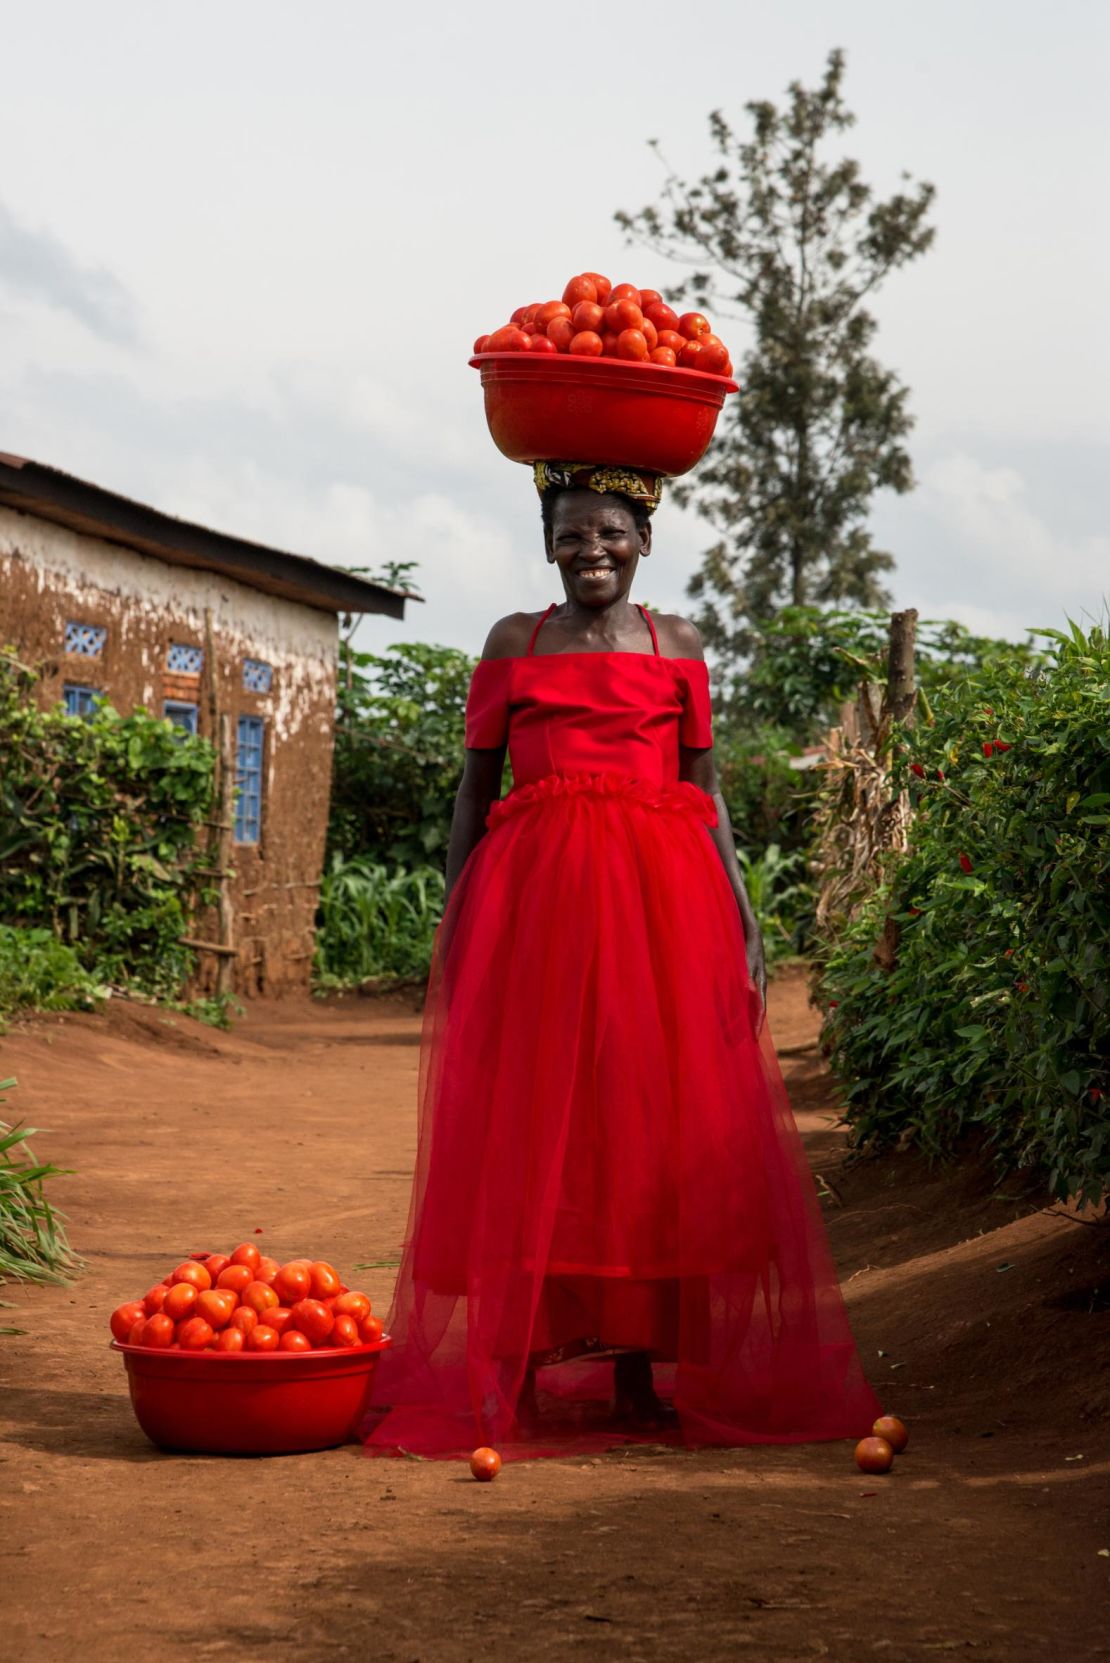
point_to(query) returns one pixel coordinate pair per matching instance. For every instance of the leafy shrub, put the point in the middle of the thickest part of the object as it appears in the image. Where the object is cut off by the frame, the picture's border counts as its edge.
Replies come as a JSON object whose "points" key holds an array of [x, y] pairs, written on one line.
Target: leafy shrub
{"points": [[373, 922], [33, 1246], [995, 1020], [98, 832], [768, 801], [398, 753], [39, 972], [781, 899]]}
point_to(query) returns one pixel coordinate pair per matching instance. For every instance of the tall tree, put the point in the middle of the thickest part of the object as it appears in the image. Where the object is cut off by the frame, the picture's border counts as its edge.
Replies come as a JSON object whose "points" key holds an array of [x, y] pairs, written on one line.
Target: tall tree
{"points": [[799, 243]]}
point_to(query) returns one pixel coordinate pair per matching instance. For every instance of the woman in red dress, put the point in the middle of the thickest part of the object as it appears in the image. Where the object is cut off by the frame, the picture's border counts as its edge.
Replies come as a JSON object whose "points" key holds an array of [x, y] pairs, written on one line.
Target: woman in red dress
{"points": [[614, 1231]]}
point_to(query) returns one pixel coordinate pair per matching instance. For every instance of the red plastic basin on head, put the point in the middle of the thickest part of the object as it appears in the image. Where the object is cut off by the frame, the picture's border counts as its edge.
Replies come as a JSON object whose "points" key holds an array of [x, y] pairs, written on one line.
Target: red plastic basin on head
{"points": [[250, 1403], [564, 409]]}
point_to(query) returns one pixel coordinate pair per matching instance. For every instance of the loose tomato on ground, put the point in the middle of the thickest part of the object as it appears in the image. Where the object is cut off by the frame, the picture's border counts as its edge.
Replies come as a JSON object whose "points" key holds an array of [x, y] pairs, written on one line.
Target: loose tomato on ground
{"points": [[247, 1254], [124, 1318]]}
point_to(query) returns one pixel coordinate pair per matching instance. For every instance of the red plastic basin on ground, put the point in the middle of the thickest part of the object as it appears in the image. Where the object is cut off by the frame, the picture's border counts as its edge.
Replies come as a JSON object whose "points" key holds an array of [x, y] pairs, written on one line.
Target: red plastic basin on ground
{"points": [[564, 409], [250, 1403]]}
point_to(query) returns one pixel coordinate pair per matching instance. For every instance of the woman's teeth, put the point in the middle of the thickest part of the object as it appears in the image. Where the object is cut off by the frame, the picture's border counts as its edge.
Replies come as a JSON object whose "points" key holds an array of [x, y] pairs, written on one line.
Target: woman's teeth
{"points": [[595, 574]]}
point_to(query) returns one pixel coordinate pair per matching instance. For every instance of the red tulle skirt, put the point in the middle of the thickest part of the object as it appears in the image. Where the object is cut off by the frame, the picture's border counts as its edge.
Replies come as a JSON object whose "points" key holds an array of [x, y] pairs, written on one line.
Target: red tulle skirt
{"points": [[607, 1157]]}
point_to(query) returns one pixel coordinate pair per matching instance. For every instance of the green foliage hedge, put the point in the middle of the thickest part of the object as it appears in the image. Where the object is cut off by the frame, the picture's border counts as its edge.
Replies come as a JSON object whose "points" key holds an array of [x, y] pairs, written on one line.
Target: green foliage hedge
{"points": [[995, 1021], [373, 922], [99, 822]]}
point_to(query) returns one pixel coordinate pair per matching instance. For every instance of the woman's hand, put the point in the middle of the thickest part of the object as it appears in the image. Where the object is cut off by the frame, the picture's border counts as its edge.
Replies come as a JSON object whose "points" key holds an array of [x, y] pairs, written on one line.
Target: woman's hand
{"points": [[757, 970]]}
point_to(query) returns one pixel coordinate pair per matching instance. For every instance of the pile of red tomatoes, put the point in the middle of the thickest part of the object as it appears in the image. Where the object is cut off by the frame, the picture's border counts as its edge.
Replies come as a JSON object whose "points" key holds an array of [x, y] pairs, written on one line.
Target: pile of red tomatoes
{"points": [[241, 1301], [596, 320]]}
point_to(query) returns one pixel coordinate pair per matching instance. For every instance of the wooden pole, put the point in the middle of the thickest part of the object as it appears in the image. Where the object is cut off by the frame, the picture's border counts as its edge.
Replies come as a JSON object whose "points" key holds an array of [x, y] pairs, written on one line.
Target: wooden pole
{"points": [[223, 860], [901, 684]]}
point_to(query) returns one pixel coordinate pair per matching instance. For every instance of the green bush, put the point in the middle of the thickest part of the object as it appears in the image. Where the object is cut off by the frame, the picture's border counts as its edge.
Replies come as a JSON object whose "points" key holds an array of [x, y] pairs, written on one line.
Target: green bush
{"points": [[399, 745], [39, 972], [33, 1246], [99, 822], [373, 922], [994, 1020]]}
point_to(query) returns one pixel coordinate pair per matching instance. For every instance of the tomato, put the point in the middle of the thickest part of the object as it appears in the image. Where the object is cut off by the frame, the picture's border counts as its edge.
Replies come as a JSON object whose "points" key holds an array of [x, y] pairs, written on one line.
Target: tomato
{"points": [[587, 315], [294, 1340], [609, 344], [259, 1296], [714, 355], [192, 1272], [370, 1329], [586, 344], [313, 1318], [193, 1334], [508, 339], [578, 289], [693, 324], [560, 331], [672, 338], [158, 1331], [631, 343], [650, 334], [345, 1331], [235, 1278], [874, 1455], [135, 1334], [518, 315], [181, 1301], [662, 316], [214, 1263], [154, 1300], [893, 1430], [601, 284], [625, 291], [649, 297], [690, 356], [267, 1270], [230, 1339], [263, 1338], [124, 1318], [663, 355], [544, 343], [549, 311], [244, 1318], [623, 314], [247, 1254], [293, 1282], [279, 1318], [528, 321], [485, 1464], [325, 1280], [216, 1306], [355, 1305], [727, 371], [480, 345]]}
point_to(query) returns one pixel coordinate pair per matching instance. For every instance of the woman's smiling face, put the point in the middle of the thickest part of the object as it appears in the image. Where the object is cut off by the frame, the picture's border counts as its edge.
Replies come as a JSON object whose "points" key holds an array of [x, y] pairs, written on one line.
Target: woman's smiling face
{"points": [[596, 544]]}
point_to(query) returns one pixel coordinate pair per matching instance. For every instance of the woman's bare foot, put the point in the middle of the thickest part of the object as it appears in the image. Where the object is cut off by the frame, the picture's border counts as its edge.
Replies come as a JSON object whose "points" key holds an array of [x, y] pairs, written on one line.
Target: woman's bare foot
{"points": [[635, 1400]]}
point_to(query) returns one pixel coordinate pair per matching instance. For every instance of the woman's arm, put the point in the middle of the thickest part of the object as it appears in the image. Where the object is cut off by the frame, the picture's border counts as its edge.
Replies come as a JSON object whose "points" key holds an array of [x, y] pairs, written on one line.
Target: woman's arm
{"points": [[478, 790], [699, 769]]}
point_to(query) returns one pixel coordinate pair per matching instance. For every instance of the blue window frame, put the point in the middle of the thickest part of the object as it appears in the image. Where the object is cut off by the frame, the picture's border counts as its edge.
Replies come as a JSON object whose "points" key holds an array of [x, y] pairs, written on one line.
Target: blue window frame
{"points": [[182, 715], [248, 779], [86, 640], [186, 660], [80, 700], [258, 676]]}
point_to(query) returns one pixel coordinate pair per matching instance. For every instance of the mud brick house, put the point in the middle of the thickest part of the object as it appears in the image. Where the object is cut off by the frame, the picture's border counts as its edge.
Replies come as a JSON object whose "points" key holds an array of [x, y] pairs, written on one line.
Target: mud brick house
{"points": [[224, 638]]}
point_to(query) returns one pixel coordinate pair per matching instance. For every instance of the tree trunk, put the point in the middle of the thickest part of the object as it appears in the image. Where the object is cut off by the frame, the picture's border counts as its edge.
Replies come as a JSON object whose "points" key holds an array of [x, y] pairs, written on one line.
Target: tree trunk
{"points": [[901, 686]]}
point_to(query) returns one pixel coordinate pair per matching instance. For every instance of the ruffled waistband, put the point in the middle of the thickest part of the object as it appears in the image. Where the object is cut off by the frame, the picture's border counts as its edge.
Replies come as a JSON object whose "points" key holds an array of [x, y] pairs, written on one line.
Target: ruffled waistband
{"points": [[680, 797]]}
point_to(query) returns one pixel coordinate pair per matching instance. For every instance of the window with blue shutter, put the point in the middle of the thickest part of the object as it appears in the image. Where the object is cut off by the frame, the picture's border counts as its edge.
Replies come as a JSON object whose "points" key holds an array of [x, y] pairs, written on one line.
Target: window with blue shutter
{"points": [[80, 700], [186, 660], [182, 715], [258, 676], [248, 779], [86, 640]]}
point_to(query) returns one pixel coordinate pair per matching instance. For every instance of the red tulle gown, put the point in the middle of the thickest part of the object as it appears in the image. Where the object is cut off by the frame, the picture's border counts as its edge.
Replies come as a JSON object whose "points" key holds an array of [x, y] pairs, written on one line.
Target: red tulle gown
{"points": [[607, 1157]]}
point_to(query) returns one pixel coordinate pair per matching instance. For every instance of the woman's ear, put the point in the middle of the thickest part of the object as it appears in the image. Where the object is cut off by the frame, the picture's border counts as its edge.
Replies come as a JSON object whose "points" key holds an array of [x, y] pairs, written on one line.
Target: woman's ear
{"points": [[645, 540]]}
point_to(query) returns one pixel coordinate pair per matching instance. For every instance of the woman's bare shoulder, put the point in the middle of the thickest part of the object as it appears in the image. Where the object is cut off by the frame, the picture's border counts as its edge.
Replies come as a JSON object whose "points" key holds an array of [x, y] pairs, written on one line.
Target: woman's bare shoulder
{"points": [[678, 637], [509, 636]]}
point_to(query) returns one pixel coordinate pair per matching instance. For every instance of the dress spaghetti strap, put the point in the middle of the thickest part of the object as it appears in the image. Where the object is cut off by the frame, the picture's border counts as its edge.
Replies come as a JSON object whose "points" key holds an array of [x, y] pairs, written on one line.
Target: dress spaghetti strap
{"points": [[646, 615], [539, 625]]}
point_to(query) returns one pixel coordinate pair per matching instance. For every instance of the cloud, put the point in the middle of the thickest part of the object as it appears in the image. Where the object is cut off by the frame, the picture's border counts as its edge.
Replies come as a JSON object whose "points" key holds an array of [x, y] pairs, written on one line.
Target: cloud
{"points": [[35, 265]]}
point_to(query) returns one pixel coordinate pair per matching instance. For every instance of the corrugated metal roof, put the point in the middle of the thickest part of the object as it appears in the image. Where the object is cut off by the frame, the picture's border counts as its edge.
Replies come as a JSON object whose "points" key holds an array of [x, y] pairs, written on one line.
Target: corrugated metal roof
{"points": [[33, 488]]}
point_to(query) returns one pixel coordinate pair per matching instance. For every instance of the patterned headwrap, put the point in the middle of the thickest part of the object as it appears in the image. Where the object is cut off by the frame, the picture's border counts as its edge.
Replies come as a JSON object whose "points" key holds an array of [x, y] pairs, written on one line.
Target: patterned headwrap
{"points": [[588, 476]]}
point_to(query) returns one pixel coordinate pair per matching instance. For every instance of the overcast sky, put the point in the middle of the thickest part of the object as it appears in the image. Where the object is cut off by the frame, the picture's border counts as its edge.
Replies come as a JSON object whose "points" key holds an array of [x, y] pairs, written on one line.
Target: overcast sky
{"points": [[244, 251]]}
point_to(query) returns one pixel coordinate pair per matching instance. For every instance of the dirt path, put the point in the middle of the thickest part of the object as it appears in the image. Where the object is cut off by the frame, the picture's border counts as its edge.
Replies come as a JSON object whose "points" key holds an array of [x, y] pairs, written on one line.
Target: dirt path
{"points": [[984, 1324]]}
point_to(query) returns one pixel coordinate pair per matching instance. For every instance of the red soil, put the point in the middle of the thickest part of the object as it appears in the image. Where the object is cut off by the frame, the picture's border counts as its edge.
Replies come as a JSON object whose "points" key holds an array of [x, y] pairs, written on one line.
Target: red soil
{"points": [[982, 1320]]}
